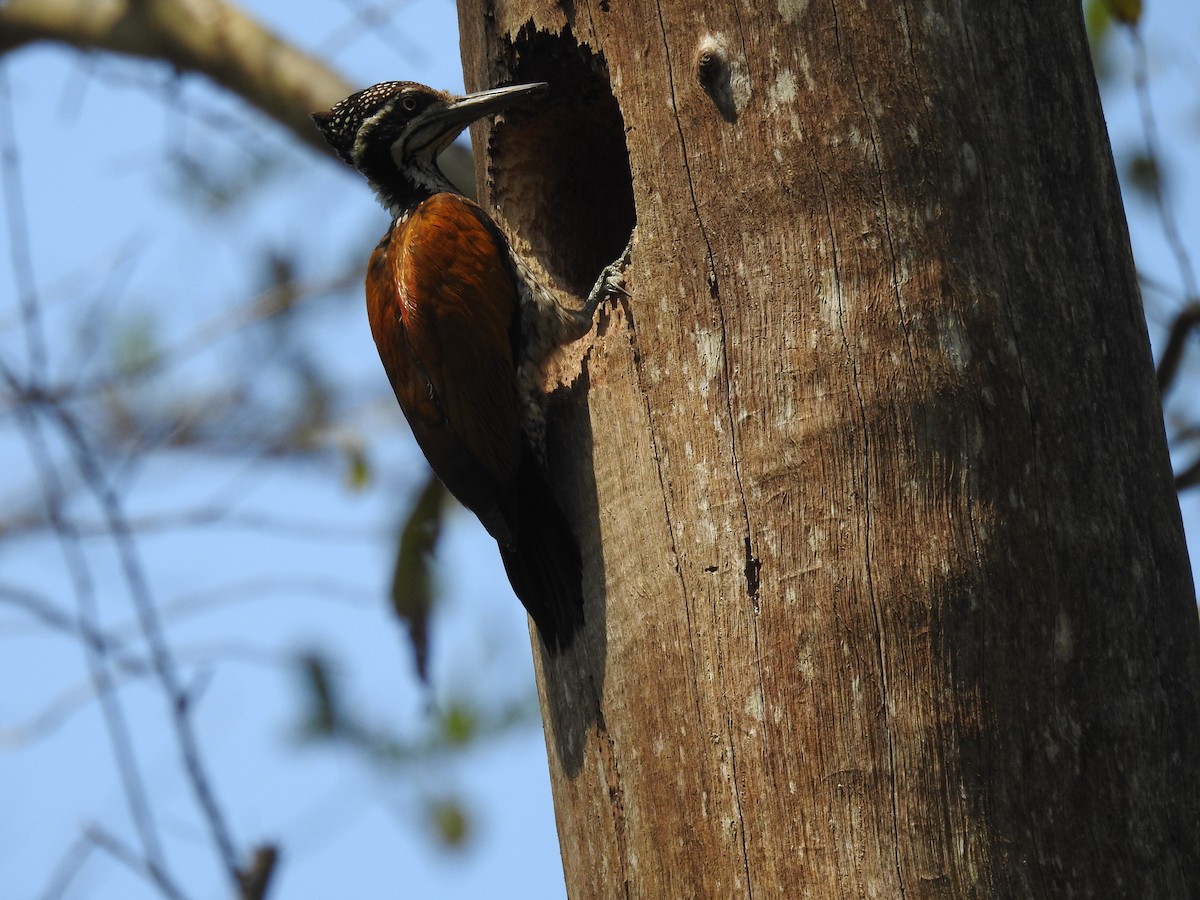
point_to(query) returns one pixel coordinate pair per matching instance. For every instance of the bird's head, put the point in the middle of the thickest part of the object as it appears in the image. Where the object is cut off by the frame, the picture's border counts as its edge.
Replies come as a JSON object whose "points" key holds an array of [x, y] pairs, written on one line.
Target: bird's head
{"points": [[394, 131]]}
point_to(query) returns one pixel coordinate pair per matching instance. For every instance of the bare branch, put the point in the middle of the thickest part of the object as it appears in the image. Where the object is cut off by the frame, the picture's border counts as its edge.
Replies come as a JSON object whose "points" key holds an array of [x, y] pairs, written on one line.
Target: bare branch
{"points": [[125, 854], [375, 20], [48, 614], [52, 495], [1189, 318], [1189, 477], [56, 712], [257, 877], [77, 697], [209, 37], [329, 590], [206, 516], [1186, 322], [64, 873], [97, 660], [18, 236], [160, 652]]}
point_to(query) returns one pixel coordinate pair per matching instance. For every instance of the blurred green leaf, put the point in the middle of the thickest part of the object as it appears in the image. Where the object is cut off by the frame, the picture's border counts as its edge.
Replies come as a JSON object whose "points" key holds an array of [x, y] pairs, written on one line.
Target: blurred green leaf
{"points": [[136, 347], [412, 578], [459, 724], [358, 466], [1098, 19], [1127, 12], [450, 820]]}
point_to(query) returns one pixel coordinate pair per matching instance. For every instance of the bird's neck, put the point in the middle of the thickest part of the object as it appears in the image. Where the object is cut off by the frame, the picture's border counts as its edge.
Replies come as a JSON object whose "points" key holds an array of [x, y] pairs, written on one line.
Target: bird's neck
{"points": [[401, 190]]}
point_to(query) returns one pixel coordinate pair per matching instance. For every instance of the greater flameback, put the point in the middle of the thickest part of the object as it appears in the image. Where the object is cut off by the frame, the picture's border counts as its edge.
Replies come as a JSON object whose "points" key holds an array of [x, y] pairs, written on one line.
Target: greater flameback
{"points": [[462, 328]]}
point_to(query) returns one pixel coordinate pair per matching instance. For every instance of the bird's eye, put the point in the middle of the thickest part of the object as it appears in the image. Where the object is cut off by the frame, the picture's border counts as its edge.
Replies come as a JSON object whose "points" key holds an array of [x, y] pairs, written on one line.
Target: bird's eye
{"points": [[410, 102]]}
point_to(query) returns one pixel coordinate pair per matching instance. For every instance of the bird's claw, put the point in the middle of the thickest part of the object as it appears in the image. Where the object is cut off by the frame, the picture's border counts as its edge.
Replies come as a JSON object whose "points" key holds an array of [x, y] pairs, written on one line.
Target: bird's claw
{"points": [[611, 281]]}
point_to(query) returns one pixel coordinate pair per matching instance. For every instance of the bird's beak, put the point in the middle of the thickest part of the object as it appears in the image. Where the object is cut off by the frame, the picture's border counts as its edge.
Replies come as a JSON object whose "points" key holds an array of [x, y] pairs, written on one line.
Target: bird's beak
{"points": [[442, 122]]}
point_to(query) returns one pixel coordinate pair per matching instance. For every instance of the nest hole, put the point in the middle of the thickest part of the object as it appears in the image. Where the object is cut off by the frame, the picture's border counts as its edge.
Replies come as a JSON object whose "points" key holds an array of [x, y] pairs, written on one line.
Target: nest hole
{"points": [[560, 168]]}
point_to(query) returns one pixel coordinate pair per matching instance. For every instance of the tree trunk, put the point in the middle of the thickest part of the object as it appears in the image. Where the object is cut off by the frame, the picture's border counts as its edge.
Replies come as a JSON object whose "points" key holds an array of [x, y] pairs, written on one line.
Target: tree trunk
{"points": [[887, 591]]}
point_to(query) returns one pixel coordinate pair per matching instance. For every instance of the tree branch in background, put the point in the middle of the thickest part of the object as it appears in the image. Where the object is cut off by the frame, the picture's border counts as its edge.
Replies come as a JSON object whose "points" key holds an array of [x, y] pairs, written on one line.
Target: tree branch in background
{"points": [[1189, 477], [127, 856], [161, 655], [27, 393], [1186, 322], [257, 877], [239, 55], [1189, 317], [208, 37]]}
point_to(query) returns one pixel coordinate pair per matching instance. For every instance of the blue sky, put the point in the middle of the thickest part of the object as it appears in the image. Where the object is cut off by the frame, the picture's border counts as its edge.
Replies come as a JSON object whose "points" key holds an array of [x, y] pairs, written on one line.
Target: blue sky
{"points": [[108, 225], [107, 221]]}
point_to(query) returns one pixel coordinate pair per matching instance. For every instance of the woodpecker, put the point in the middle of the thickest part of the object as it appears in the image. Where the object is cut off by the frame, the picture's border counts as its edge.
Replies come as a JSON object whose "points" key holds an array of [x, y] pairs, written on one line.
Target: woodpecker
{"points": [[462, 327]]}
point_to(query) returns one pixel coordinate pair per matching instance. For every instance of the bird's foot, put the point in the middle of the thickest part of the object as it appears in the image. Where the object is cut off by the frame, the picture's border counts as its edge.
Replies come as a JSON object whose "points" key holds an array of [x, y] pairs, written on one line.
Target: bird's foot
{"points": [[610, 283]]}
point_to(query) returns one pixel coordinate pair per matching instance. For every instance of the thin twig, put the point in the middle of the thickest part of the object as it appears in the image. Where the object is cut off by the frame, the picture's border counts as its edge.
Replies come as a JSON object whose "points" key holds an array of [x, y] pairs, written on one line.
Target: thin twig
{"points": [[18, 236], [1189, 477], [54, 713], [70, 542], [257, 878], [42, 609], [228, 323], [1189, 317], [160, 651], [376, 21], [194, 603], [205, 517], [120, 736], [59, 709], [126, 855], [1182, 326], [68, 867], [130, 669]]}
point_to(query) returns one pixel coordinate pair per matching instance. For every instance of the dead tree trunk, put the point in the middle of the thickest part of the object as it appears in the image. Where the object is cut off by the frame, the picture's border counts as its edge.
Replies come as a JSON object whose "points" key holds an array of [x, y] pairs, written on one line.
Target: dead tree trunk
{"points": [[887, 588]]}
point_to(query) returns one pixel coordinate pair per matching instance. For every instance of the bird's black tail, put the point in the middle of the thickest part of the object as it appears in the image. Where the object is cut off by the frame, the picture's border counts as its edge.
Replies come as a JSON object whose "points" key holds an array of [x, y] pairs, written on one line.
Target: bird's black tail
{"points": [[543, 564]]}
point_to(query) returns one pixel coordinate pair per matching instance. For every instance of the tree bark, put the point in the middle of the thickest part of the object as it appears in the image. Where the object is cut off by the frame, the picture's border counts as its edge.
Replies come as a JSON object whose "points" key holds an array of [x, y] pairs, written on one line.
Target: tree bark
{"points": [[887, 591]]}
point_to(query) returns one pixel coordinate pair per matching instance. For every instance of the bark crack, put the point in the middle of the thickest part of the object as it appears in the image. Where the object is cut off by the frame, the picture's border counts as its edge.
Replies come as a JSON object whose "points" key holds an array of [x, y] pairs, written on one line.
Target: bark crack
{"points": [[883, 200], [880, 642], [669, 520], [715, 293], [616, 795], [654, 448], [865, 431], [752, 562]]}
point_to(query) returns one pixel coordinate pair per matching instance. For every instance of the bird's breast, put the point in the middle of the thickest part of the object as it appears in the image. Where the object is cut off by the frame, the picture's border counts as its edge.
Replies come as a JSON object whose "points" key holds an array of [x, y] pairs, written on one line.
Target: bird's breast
{"points": [[442, 301]]}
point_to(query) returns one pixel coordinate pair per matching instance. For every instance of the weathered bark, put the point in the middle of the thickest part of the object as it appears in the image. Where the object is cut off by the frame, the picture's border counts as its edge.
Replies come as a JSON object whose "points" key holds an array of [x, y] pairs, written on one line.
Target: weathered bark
{"points": [[887, 588]]}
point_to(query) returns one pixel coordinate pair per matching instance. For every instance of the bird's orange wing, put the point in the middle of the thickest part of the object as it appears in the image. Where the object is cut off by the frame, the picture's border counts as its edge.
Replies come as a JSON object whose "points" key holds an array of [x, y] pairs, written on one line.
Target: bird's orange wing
{"points": [[442, 301]]}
